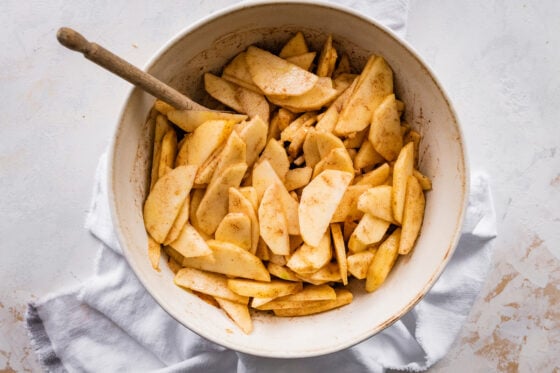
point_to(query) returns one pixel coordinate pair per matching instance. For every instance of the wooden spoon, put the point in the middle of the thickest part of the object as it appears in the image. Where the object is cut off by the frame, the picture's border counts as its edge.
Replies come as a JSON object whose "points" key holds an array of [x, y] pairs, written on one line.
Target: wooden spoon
{"points": [[71, 39]]}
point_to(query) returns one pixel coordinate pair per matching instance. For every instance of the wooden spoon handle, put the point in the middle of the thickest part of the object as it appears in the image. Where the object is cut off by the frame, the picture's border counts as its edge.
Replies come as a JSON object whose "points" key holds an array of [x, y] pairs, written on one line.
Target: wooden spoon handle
{"points": [[73, 40]]}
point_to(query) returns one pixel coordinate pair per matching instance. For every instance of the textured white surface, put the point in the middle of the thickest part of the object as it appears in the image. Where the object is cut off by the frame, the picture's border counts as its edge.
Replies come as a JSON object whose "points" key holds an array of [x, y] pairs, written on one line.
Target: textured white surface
{"points": [[499, 61]]}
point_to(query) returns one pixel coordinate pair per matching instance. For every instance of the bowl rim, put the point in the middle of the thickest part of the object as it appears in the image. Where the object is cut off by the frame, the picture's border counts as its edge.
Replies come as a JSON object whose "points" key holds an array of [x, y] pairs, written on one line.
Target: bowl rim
{"points": [[461, 140]]}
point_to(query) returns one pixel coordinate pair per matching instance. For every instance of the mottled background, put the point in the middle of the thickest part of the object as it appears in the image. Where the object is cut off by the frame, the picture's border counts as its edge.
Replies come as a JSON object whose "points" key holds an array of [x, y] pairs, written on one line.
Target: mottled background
{"points": [[499, 61]]}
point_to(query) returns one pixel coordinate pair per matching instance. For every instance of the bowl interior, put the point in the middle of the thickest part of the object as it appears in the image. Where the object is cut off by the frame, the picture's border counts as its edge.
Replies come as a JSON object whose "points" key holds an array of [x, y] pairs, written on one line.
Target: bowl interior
{"points": [[207, 46]]}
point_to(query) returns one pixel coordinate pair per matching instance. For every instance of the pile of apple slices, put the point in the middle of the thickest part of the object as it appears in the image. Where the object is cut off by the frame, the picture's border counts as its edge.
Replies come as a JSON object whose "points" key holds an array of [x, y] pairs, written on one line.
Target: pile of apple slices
{"points": [[276, 207]]}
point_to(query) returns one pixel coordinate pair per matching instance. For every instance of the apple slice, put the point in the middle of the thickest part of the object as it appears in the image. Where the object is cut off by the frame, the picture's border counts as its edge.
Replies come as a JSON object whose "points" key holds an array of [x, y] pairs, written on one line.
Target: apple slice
{"points": [[343, 297], [254, 135], [276, 76], [413, 215], [383, 261], [377, 202], [207, 283], [214, 205], [347, 209], [294, 47], [234, 151], [340, 252], [272, 289], [264, 176], [276, 155], [309, 259], [385, 131], [237, 72], [373, 85], [272, 221], [403, 168], [239, 203], [238, 312], [318, 203], [236, 229], [166, 200], [320, 95], [304, 60], [190, 243], [230, 259], [223, 91], [189, 120], [205, 139]]}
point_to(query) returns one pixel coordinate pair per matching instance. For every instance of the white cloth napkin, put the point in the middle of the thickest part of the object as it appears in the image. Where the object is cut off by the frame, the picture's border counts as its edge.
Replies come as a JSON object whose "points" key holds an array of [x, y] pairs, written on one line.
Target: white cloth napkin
{"points": [[110, 323]]}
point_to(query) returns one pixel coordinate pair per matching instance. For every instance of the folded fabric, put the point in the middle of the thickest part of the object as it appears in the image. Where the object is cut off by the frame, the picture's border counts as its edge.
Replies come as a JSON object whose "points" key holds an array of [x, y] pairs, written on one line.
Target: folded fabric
{"points": [[110, 323]]}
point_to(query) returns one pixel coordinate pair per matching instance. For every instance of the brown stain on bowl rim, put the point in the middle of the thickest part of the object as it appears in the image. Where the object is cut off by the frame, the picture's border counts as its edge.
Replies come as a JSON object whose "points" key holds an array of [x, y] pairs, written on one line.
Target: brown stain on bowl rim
{"points": [[464, 183]]}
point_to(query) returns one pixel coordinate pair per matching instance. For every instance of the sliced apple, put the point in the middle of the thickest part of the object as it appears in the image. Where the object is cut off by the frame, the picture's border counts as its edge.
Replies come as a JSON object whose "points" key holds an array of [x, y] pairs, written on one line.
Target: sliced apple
{"points": [[402, 170], [168, 152], [305, 60], [385, 130], [272, 221], [358, 263], [207, 283], [343, 297], [337, 159], [264, 176], [373, 85], [154, 252], [320, 95], [161, 128], [347, 208], [294, 47], [309, 259], [190, 243], [413, 215], [238, 312], [424, 180], [254, 135], [235, 228], [230, 259], [190, 120], [165, 201], [254, 104], [383, 261], [377, 202], [162, 107], [214, 205], [340, 252], [234, 151], [272, 289], [330, 272], [205, 139], [276, 76], [239, 203], [298, 178], [376, 177], [370, 230], [367, 156], [179, 222], [250, 193], [343, 66], [237, 72], [327, 59], [282, 272], [328, 122], [223, 91], [318, 203], [276, 155]]}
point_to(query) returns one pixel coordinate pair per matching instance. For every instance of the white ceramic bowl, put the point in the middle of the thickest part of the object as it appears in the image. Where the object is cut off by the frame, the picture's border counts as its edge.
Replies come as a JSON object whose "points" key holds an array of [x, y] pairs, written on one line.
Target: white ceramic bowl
{"points": [[207, 46]]}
